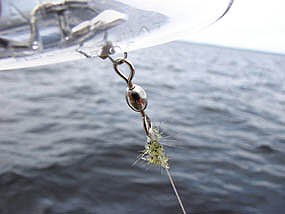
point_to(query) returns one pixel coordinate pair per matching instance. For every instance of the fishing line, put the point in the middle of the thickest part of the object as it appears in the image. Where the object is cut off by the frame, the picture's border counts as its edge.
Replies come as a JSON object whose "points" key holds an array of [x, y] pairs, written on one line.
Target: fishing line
{"points": [[136, 98]]}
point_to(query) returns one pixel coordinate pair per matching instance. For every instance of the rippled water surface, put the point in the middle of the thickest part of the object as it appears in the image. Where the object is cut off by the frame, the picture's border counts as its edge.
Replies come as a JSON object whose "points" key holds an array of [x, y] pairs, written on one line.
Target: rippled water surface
{"points": [[68, 139]]}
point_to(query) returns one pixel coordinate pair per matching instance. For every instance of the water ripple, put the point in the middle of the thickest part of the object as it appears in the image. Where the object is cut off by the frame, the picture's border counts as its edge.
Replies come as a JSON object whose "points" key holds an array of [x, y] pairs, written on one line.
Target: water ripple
{"points": [[68, 140]]}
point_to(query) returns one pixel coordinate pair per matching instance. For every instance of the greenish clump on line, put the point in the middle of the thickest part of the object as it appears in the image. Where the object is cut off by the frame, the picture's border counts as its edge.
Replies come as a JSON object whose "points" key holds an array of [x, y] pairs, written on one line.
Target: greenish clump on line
{"points": [[154, 152]]}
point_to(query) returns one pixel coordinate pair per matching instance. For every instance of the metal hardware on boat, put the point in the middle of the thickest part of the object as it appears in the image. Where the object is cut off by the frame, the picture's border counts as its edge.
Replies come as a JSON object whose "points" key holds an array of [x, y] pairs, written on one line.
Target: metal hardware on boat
{"points": [[54, 19]]}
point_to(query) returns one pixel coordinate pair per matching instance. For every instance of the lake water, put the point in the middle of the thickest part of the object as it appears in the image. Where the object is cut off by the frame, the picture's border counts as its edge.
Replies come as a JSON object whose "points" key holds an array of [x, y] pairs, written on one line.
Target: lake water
{"points": [[68, 139]]}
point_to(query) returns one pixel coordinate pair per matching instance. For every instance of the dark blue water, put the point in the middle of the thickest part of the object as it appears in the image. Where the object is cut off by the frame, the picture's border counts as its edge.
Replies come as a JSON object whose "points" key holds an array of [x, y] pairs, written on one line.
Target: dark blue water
{"points": [[68, 139]]}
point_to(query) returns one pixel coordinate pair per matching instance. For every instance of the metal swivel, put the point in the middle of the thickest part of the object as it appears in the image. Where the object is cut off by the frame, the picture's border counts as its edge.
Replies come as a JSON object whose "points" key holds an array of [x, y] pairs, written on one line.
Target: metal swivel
{"points": [[136, 98]]}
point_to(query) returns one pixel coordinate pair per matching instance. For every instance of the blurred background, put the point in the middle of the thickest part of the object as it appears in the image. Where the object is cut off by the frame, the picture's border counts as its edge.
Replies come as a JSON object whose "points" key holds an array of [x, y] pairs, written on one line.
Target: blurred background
{"points": [[68, 139], [257, 25]]}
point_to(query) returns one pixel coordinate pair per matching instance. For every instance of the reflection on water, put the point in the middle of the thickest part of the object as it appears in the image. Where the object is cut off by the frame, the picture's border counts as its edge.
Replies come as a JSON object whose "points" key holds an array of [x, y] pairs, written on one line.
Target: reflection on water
{"points": [[68, 139]]}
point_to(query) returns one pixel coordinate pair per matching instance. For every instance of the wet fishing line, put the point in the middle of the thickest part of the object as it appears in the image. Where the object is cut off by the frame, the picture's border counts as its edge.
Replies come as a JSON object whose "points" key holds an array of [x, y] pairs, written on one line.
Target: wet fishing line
{"points": [[136, 99]]}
